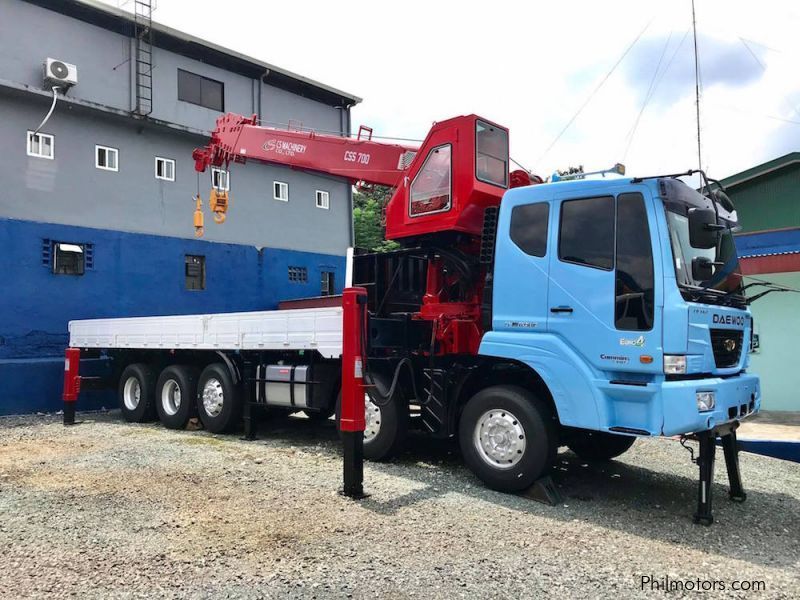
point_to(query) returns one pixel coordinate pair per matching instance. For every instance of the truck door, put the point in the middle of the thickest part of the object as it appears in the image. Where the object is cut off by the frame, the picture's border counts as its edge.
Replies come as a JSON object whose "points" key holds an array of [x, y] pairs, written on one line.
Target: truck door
{"points": [[602, 286]]}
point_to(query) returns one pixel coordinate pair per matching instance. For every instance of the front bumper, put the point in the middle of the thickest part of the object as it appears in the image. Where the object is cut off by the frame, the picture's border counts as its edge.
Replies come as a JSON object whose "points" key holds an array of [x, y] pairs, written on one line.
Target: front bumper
{"points": [[737, 397]]}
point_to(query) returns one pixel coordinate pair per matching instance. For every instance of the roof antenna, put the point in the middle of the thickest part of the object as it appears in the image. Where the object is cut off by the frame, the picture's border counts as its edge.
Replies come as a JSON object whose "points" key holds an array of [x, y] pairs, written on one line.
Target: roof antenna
{"points": [[696, 87]]}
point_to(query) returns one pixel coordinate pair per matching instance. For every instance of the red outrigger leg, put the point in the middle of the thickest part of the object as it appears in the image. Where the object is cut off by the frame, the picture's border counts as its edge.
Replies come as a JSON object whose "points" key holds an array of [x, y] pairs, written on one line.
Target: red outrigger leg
{"points": [[351, 420], [72, 383]]}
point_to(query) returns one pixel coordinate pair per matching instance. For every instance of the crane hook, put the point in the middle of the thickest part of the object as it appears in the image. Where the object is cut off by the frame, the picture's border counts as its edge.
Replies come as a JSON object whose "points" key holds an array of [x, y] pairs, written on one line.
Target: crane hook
{"points": [[199, 229]]}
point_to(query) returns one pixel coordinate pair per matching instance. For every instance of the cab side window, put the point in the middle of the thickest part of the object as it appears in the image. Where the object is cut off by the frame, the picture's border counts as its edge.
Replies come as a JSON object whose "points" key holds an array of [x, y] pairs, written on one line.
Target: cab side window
{"points": [[634, 280], [586, 236], [529, 228]]}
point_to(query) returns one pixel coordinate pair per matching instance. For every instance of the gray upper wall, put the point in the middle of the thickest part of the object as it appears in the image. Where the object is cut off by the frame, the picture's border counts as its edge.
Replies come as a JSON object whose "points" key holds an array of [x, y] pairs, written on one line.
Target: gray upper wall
{"points": [[30, 33], [70, 190]]}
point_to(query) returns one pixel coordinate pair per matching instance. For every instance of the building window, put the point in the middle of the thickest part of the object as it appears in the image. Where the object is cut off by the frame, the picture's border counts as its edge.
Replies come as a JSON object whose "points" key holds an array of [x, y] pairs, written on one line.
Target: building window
{"points": [[68, 259], [195, 271], [220, 179], [586, 236], [529, 228], [165, 169], [41, 145], [280, 191], [328, 288], [323, 199], [298, 274], [201, 90], [106, 158]]}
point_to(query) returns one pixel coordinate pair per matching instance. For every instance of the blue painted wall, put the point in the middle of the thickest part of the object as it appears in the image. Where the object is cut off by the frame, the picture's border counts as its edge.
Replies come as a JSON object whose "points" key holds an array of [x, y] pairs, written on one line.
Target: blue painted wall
{"points": [[132, 275]]}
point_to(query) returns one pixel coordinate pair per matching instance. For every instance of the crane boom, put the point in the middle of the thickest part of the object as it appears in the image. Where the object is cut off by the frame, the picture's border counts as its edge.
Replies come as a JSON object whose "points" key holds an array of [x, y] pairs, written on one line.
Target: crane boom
{"points": [[238, 138]]}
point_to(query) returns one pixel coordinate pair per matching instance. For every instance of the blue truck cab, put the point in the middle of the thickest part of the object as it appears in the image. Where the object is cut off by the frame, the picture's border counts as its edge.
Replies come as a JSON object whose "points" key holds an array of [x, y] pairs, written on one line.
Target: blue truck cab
{"points": [[625, 296], [594, 290]]}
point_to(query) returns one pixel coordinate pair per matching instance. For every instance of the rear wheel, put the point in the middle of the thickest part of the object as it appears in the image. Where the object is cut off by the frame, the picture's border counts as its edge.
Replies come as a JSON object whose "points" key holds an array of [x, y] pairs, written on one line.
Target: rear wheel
{"points": [[599, 445], [218, 400], [175, 392], [508, 437], [136, 389], [386, 421]]}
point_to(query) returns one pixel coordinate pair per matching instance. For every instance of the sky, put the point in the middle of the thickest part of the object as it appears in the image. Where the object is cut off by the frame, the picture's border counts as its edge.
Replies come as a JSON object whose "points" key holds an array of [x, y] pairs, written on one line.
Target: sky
{"points": [[577, 83]]}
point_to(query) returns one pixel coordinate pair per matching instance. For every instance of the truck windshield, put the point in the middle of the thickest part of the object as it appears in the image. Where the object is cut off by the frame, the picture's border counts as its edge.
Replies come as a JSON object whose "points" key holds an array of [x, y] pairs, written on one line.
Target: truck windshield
{"points": [[727, 276]]}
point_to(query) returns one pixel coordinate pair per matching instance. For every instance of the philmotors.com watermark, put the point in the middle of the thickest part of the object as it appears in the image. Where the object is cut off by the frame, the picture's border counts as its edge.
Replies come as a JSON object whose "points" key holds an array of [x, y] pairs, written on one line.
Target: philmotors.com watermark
{"points": [[667, 584]]}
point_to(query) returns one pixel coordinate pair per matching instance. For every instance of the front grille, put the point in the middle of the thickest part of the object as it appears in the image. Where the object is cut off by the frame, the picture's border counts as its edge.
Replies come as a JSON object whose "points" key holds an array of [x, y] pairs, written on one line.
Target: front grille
{"points": [[727, 345]]}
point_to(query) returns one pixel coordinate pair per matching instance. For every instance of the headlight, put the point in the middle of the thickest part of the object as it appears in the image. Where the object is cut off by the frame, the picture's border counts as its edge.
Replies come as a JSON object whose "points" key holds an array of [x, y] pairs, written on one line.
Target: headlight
{"points": [[705, 401], [674, 364]]}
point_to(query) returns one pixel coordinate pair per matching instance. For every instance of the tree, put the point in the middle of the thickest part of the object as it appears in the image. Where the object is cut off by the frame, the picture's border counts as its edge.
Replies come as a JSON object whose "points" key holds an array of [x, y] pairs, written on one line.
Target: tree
{"points": [[367, 210]]}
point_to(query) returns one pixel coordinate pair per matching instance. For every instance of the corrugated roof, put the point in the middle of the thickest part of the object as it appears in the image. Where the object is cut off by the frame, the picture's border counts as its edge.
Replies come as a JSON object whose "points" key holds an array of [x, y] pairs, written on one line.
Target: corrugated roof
{"points": [[762, 169], [768, 243], [115, 19]]}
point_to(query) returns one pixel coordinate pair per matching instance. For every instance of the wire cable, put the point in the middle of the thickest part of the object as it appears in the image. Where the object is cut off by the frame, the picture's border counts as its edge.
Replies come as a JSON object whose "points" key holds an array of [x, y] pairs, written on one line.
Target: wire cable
{"points": [[594, 92], [648, 95], [49, 112]]}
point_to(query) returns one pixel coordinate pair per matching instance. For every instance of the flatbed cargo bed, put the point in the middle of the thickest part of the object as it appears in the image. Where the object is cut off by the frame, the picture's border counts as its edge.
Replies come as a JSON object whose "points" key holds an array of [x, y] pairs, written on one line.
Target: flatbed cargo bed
{"points": [[301, 329]]}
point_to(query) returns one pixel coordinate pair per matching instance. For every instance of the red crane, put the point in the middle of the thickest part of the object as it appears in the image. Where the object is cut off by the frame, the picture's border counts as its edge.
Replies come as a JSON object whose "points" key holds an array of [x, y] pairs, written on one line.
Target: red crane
{"points": [[445, 193]]}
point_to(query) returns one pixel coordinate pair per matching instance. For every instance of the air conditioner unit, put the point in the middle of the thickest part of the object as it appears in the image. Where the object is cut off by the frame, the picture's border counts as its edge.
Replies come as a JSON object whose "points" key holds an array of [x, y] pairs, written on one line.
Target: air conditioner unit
{"points": [[58, 73]]}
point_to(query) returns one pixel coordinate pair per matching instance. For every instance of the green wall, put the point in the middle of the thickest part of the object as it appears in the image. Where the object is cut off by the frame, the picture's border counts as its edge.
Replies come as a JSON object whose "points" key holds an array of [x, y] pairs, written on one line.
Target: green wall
{"points": [[777, 361], [769, 202]]}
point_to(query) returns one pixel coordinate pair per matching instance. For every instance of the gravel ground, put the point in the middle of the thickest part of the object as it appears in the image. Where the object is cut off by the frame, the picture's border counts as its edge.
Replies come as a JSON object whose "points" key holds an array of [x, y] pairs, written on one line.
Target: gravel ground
{"points": [[107, 509]]}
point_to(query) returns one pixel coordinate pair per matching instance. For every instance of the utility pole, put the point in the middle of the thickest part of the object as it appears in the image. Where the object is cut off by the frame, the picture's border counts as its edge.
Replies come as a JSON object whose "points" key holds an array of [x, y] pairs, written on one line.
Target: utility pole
{"points": [[696, 87]]}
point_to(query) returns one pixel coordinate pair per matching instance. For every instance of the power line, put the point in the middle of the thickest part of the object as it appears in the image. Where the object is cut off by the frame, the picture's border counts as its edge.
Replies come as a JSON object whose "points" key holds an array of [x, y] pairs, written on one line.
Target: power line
{"points": [[647, 97], [791, 106], [594, 92]]}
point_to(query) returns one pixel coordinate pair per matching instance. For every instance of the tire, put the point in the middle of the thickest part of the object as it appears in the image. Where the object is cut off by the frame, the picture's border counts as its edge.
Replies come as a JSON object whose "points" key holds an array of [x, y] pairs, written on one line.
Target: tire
{"points": [[219, 403], [387, 426], [524, 442], [174, 398], [136, 393], [599, 445]]}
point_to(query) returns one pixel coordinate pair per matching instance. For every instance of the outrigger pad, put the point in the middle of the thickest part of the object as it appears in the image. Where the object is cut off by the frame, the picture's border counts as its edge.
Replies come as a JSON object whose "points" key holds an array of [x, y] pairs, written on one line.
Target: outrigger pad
{"points": [[545, 491]]}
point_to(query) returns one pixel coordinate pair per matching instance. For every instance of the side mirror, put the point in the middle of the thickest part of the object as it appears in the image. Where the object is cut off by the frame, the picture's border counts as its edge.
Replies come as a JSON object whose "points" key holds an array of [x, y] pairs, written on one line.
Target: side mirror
{"points": [[702, 268], [703, 228]]}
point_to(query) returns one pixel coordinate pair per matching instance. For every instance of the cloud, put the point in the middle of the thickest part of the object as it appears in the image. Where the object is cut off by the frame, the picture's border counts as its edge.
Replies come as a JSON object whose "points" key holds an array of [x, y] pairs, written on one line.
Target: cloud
{"points": [[722, 63]]}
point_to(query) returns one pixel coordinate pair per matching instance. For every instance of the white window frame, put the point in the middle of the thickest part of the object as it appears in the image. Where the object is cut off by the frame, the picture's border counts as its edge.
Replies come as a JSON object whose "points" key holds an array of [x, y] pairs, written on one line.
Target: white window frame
{"points": [[40, 135], [97, 148], [283, 195], [227, 179], [165, 161], [325, 197]]}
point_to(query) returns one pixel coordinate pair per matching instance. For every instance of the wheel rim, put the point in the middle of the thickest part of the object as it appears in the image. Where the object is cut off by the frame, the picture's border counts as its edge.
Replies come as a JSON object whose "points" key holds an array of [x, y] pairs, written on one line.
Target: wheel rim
{"points": [[213, 397], [499, 439], [171, 397], [372, 419], [132, 393]]}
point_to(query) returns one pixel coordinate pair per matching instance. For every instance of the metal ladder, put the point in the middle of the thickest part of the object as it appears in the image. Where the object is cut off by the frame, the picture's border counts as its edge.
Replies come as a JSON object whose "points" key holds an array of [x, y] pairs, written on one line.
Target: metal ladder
{"points": [[143, 24]]}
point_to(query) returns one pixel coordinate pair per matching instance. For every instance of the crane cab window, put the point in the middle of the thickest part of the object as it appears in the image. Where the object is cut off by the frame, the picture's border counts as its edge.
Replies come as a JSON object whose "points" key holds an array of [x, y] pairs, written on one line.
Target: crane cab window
{"points": [[491, 154], [431, 189]]}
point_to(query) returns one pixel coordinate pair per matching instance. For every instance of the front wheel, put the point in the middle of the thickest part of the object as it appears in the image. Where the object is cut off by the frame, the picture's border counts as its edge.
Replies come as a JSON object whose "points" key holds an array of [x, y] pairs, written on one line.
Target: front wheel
{"points": [[218, 400], [508, 437], [599, 445]]}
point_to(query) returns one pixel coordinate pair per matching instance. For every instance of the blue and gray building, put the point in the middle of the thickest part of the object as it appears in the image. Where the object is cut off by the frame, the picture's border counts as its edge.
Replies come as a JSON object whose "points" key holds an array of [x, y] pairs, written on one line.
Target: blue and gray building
{"points": [[96, 208]]}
